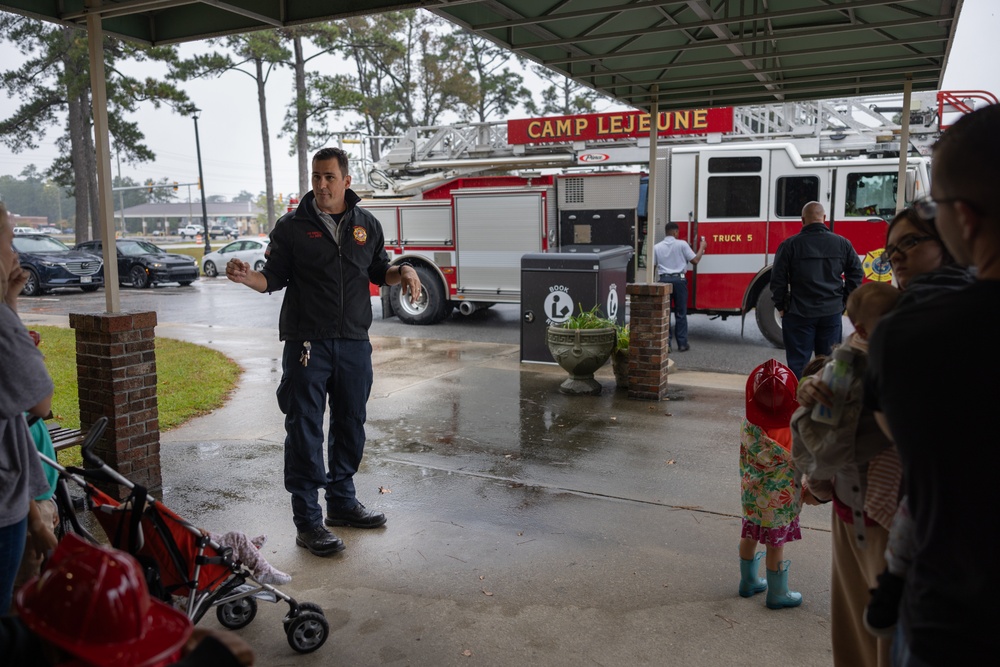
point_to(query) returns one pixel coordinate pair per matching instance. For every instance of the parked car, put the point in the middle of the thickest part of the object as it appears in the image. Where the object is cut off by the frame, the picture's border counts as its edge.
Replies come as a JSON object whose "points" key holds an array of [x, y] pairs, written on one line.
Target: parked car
{"points": [[141, 263], [50, 263], [250, 251], [191, 231], [25, 230], [50, 230]]}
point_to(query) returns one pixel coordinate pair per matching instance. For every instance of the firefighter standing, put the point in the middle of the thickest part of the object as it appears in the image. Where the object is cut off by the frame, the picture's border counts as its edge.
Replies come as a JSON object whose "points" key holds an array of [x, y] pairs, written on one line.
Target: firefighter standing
{"points": [[672, 257], [325, 253], [808, 289]]}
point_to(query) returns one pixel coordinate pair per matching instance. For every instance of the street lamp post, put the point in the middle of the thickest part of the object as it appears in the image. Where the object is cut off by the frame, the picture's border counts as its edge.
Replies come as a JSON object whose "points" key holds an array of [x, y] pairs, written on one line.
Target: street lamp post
{"points": [[201, 179]]}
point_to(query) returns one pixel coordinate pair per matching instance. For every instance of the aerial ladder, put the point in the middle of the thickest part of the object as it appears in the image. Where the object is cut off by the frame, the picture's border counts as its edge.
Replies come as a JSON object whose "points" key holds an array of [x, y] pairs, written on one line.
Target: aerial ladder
{"points": [[836, 128]]}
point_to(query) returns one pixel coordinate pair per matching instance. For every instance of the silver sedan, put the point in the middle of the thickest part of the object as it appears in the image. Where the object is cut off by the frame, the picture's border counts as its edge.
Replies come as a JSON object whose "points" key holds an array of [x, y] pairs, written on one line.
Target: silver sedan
{"points": [[250, 251]]}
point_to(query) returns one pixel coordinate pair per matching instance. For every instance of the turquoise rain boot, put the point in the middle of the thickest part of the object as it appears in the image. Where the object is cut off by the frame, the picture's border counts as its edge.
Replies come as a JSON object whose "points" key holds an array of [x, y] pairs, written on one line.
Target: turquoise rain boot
{"points": [[778, 595], [750, 583]]}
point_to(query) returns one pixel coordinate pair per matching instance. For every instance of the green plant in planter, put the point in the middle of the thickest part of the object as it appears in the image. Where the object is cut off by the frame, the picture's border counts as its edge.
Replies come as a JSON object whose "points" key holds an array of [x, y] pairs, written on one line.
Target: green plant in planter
{"points": [[589, 319], [621, 341], [582, 345]]}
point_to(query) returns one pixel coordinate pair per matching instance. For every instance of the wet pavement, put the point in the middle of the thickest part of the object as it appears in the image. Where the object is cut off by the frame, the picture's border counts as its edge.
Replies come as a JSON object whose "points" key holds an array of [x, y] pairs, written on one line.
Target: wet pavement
{"points": [[525, 526]]}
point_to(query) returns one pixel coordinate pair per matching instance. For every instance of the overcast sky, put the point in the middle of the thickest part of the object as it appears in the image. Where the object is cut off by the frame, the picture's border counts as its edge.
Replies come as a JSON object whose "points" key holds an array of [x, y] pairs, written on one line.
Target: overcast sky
{"points": [[230, 130]]}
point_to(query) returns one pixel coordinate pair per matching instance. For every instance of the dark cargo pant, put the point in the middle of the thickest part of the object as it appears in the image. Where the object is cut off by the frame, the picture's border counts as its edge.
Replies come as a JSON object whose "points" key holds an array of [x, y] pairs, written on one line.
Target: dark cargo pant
{"points": [[339, 373]]}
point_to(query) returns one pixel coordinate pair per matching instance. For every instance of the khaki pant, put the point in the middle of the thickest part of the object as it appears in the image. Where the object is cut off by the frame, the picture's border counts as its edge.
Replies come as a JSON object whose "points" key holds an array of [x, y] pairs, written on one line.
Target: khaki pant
{"points": [[854, 572], [31, 562]]}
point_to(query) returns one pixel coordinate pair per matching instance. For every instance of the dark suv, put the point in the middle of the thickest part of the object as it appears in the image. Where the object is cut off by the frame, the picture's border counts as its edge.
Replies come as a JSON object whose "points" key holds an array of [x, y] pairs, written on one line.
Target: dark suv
{"points": [[51, 263]]}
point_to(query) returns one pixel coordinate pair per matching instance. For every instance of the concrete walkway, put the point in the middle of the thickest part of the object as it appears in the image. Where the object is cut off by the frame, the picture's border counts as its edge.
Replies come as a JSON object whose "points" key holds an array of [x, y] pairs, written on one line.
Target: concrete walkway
{"points": [[525, 527]]}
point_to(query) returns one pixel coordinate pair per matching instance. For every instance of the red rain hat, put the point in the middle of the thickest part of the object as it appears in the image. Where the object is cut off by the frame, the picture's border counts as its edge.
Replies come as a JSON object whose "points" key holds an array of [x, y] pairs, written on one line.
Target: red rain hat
{"points": [[93, 602]]}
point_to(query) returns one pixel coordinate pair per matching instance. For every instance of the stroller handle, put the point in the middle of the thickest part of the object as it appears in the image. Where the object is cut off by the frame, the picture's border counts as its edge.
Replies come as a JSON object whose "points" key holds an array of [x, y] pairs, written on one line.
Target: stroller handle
{"points": [[93, 435]]}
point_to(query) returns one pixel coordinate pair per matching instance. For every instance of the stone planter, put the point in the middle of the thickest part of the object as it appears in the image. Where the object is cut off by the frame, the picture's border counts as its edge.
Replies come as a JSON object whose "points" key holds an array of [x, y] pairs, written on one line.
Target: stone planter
{"points": [[580, 352]]}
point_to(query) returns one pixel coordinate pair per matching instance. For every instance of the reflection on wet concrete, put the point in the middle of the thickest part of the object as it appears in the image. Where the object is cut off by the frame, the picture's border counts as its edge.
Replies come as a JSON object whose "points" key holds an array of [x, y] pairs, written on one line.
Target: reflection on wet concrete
{"points": [[575, 443], [526, 526]]}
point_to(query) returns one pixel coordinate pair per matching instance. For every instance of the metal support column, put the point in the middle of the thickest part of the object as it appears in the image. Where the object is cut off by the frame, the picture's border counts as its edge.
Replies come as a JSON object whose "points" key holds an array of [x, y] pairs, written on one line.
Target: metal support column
{"points": [[904, 143], [99, 92], [651, 221]]}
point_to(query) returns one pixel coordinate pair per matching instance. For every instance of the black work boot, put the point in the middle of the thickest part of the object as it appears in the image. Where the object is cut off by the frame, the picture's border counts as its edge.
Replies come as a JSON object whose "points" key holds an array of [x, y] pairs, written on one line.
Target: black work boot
{"points": [[319, 541], [355, 517]]}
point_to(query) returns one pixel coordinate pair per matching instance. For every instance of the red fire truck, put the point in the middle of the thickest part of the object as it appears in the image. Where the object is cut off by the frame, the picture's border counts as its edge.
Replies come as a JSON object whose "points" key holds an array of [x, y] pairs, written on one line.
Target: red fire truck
{"points": [[465, 234]]}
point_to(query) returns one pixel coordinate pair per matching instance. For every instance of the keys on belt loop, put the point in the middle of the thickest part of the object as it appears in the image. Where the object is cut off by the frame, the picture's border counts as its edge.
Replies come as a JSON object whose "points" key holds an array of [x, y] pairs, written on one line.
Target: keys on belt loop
{"points": [[304, 357]]}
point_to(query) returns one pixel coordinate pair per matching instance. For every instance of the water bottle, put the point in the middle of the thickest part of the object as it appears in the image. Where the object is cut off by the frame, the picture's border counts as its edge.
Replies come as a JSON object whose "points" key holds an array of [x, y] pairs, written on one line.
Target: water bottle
{"points": [[837, 375]]}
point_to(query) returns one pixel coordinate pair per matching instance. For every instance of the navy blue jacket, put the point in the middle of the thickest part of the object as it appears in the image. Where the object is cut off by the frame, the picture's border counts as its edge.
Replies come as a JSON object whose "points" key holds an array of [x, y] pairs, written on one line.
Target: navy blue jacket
{"points": [[327, 282], [814, 272]]}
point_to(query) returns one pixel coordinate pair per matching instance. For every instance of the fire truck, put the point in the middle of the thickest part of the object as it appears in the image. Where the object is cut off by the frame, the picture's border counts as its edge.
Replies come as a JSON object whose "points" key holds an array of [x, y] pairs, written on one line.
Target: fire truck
{"points": [[738, 177]]}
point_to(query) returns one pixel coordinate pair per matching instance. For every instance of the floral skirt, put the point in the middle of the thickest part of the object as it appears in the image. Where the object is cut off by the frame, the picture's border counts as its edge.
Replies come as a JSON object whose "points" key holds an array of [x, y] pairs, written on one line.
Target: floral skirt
{"points": [[770, 498]]}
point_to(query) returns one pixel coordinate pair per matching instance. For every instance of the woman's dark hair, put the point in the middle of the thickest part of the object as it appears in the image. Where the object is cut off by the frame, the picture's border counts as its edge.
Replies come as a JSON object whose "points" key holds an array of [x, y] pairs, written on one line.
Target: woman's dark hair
{"points": [[925, 227]]}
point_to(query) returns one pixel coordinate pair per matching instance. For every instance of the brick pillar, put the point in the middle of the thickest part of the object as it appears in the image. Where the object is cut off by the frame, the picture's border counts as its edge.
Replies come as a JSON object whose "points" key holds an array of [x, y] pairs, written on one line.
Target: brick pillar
{"points": [[116, 369], [649, 330]]}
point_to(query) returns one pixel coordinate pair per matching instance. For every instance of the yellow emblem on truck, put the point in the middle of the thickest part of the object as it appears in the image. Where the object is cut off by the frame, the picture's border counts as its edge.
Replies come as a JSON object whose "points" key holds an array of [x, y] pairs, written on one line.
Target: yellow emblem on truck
{"points": [[877, 267]]}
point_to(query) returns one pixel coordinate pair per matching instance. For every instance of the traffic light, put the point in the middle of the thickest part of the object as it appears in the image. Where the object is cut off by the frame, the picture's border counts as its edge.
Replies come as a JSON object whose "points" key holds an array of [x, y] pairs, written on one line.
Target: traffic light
{"points": [[149, 186], [199, 184], [175, 186]]}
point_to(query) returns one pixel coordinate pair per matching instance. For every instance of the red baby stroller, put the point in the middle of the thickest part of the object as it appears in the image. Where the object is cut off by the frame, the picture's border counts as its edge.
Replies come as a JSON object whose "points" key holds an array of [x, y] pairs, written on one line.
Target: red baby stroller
{"points": [[183, 566]]}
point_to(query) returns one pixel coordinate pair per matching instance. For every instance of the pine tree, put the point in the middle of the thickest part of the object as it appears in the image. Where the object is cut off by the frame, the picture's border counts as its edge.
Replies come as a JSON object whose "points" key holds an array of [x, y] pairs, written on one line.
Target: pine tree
{"points": [[255, 55], [54, 88], [563, 96]]}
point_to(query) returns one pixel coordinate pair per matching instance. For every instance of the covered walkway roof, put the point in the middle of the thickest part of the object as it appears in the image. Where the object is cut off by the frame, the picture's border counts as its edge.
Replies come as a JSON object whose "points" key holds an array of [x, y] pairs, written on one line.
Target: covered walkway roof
{"points": [[695, 53], [651, 54]]}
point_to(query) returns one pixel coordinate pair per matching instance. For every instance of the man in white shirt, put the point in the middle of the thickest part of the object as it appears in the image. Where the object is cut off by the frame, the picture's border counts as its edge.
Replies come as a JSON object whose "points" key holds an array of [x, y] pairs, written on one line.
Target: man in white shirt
{"points": [[672, 257]]}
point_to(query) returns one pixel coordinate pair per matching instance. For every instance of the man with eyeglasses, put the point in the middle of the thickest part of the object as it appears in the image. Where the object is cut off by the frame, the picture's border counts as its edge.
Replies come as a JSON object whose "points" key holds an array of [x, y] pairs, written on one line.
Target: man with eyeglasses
{"points": [[808, 289], [939, 410]]}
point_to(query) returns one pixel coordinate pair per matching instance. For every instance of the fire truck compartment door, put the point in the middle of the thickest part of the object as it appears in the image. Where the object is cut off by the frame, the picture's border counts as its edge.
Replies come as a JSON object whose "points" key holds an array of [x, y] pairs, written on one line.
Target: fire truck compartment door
{"points": [[387, 218], [492, 231], [425, 225]]}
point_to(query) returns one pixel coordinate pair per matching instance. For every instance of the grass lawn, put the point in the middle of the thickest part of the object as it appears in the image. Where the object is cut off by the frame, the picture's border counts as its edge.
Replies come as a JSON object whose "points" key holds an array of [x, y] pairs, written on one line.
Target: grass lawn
{"points": [[191, 380], [197, 253]]}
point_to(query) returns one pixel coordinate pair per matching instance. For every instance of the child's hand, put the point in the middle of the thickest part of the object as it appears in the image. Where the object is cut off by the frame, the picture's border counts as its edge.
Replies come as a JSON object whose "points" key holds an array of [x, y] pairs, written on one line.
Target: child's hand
{"points": [[808, 498], [812, 390]]}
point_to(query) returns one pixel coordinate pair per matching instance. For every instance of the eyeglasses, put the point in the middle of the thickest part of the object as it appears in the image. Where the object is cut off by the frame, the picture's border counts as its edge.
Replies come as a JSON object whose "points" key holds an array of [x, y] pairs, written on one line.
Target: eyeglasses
{"points": [[926, 207], [906, 244]]}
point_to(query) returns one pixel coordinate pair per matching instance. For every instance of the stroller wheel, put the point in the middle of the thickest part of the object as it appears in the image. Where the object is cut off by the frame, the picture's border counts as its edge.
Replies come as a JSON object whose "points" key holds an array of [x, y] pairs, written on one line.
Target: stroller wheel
{"points": [[311, 606], [307, 631], [301, 607], [236, 614]]}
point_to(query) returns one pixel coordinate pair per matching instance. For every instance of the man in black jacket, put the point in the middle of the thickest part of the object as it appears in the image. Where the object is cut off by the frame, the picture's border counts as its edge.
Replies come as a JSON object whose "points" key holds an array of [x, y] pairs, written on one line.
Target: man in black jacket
{"points": [[812, 275], [325, 253], [949, 612]]}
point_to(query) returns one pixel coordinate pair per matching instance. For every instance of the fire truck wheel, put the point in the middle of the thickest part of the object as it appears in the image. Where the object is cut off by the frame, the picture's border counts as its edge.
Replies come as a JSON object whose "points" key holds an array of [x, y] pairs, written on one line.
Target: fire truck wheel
{"points": [[768, 320], [430, 308]]}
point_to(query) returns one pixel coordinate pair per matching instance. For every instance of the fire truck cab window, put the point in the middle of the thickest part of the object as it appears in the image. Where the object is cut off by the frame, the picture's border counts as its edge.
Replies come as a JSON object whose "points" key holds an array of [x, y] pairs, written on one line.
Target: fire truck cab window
{"points": [[871, 194], [733, 196], [794, 192], [734, 165]]}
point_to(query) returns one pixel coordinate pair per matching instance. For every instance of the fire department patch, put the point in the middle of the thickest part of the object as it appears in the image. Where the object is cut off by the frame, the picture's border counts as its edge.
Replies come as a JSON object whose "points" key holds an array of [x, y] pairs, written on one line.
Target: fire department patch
{"points": [[877, 267], [360, 235]]}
